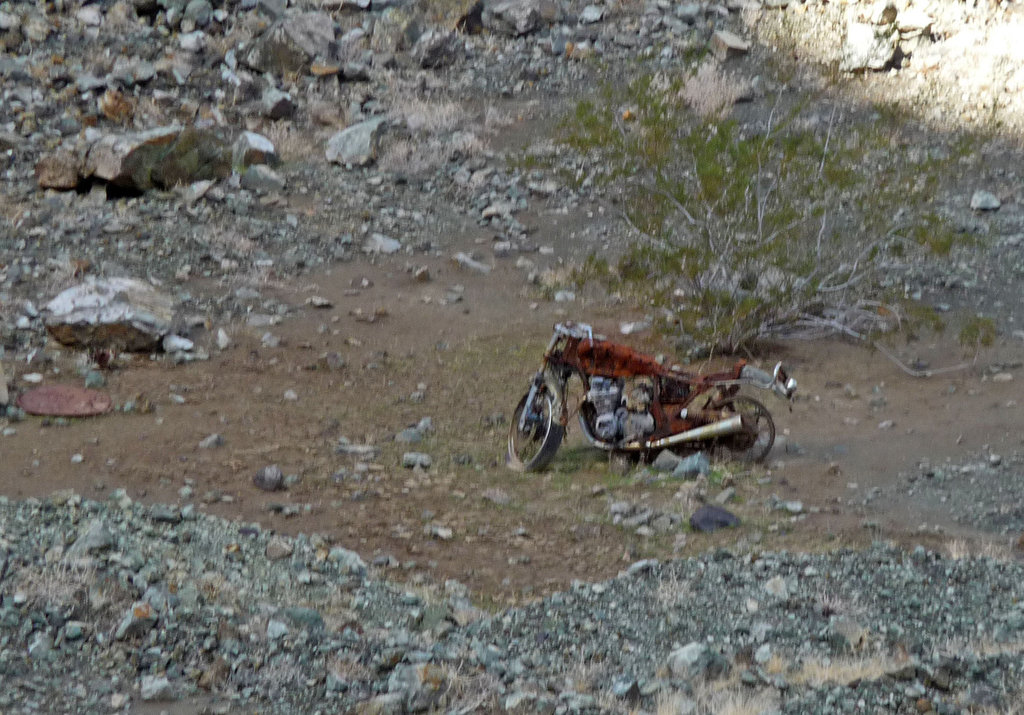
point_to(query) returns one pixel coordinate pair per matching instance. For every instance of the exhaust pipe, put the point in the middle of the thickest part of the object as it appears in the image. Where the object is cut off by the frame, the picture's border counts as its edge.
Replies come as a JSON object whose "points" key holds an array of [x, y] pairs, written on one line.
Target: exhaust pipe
{"points": [[715, 429]]}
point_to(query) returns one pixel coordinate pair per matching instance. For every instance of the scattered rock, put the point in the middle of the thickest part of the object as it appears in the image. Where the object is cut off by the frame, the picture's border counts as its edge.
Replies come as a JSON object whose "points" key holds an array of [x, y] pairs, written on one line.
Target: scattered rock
{"points": [[711, 518], [666, 461], [517, 17], [379, 243], [356, 145], [57, 171], [693, 466], [212, 441], [94, 539], [412, 460], [290, 45], [726, 44], [436, 48], [277, 104], [269, 479], [463, 260], [279, 548]]}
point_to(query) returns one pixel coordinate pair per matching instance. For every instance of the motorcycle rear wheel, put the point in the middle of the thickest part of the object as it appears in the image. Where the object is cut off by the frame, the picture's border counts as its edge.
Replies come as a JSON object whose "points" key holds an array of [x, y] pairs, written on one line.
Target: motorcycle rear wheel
{"points": [[532, 448], [755, 444]]}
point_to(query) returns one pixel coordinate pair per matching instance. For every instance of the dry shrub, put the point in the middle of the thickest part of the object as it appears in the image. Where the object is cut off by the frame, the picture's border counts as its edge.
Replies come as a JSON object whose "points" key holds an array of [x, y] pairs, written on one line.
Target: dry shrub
{"points": [[59, 584], [292, 145], [843, 670], [280, 674], [409, 157], [730, 700], [474, 692], [830, 603], [465, 144], [959, 549], [430, 117], [230, 240], [711, 92], [672, 592], [495, 119], [349, 669]]}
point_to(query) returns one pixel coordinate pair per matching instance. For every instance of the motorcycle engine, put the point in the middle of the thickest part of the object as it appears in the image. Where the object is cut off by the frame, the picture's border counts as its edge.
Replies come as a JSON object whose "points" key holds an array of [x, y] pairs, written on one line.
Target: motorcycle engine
{"points": [[635, 419], [618, 417], [605, 395]]}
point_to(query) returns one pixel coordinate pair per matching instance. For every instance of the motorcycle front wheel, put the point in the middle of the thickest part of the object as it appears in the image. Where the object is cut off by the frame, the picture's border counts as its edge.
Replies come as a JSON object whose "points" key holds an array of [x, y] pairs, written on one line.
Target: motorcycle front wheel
{"points": [[532, 445], [755, 442]]}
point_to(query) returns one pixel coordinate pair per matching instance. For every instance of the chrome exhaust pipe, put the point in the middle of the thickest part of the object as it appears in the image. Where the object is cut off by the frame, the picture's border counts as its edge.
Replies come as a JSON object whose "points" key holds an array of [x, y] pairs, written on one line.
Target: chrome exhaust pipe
{"points": [[721, 428]]}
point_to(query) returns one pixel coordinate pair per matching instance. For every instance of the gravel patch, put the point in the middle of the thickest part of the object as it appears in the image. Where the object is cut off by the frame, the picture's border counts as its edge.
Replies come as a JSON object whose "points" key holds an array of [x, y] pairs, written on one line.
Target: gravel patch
{"points": [[108, 603]]}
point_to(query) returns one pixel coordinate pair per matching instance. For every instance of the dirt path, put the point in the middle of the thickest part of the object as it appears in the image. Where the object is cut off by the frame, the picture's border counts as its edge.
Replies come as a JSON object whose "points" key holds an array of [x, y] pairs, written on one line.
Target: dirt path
{"points": [[463, 363]]}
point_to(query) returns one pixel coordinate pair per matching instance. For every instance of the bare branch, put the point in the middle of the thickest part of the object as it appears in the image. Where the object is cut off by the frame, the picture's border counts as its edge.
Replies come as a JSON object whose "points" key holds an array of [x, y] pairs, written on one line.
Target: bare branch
{"points": [[828, 136]]}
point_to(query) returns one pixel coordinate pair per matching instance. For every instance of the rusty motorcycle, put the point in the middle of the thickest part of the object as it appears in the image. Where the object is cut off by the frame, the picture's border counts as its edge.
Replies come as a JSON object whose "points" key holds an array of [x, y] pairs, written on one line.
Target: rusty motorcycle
{"points": [[633, 403]]}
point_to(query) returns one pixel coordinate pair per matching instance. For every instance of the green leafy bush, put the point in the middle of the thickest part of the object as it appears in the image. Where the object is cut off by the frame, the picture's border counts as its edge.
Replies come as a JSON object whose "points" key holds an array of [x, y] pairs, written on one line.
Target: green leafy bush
{"points": [[750, 230]]}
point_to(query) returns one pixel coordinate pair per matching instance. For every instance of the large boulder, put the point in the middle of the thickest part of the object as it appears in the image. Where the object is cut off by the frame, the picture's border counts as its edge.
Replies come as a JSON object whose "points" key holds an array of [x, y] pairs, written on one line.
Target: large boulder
{"points": [[293, 42], [163, 158], [107, 155], [118, 313]]}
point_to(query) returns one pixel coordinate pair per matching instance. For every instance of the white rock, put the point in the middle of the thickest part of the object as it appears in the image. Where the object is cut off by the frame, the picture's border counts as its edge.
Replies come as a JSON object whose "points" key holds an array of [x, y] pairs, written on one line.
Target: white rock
{"points": [[192, 41], [156, 687], [90, 15], [123, 312], [763, 654], [682, 661], [356, 145], [379, 243], [913, 20], [776, 586], [276, 629], [591, 14], [465, 261], [867, 48], [985, 201], [173, 343], [223, 339], [726, 44]]}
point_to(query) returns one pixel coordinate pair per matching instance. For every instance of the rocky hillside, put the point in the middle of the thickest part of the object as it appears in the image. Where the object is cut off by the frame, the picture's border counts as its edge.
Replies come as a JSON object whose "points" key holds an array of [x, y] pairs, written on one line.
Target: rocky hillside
{"points": [[201, 147], [106, 605]]}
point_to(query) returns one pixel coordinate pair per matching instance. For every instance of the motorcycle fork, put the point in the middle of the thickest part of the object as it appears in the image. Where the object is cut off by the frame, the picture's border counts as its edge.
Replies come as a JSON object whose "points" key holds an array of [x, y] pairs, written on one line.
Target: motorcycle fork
{"points": [[535, 385]]}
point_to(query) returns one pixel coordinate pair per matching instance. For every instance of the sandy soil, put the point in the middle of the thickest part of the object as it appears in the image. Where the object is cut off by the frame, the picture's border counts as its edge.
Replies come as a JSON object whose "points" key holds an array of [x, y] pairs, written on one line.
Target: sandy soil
{"points": [[469, 361]]}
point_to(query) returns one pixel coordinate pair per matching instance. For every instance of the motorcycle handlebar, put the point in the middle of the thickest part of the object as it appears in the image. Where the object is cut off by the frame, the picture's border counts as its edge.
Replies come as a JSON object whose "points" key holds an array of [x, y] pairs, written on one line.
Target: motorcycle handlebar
{"points": [[778, 382]]}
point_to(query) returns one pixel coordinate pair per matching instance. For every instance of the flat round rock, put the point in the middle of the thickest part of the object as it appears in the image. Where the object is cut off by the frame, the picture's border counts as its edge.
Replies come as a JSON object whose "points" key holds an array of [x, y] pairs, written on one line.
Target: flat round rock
{"points": [[64, 401]]}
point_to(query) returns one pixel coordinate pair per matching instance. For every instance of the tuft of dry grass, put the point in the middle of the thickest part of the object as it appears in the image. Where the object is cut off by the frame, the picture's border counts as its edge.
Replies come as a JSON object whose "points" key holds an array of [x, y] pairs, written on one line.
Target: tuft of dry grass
{"points": [[843, 670], [959, 549], [830, 603], [427, 116], [472, 692], [672, 592], [711, 92], [707, 700], [292, 145], [59, 584]]}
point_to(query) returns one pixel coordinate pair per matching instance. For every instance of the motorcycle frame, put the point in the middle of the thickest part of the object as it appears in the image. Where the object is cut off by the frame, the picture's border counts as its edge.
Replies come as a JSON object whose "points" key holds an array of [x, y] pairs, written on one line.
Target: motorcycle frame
{"points": [[564, 359]]}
